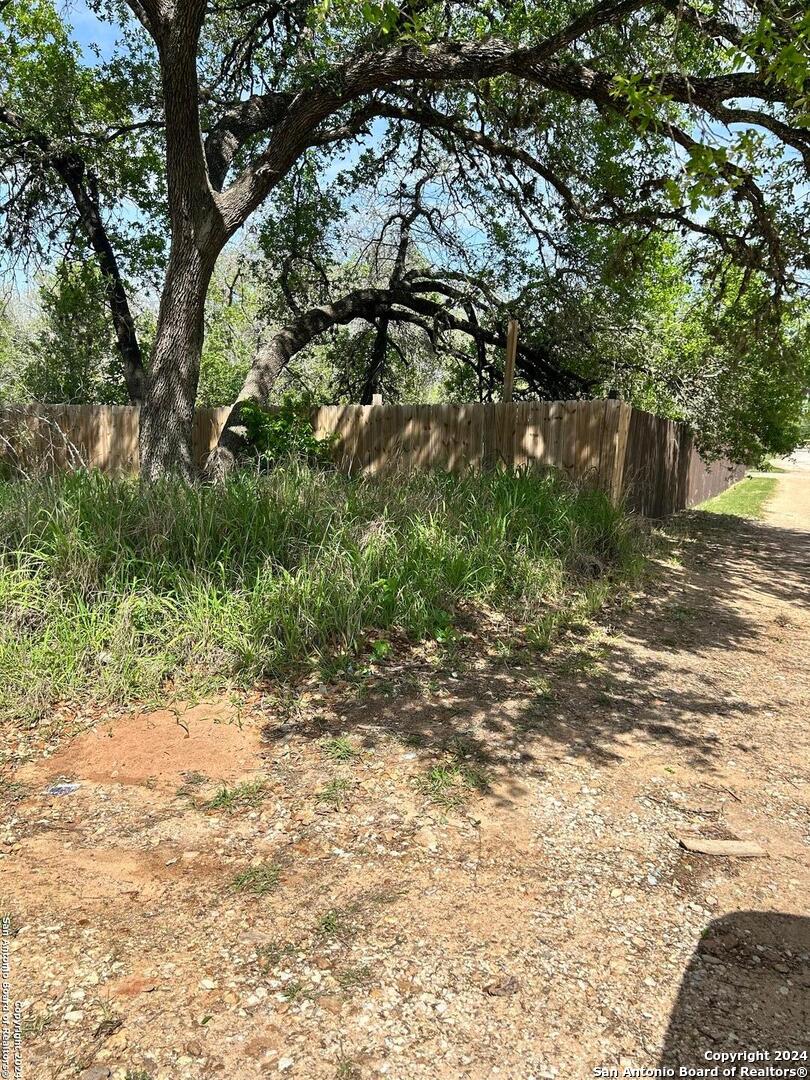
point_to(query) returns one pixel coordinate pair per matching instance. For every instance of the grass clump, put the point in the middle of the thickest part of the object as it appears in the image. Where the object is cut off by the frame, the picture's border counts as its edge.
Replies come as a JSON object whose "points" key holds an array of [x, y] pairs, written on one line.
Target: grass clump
{"points": [[336, 792], [258, 880], [747, 499], [271, 955], [296, 991], [340, 748], [112, 591], [451, 785], [248, 794], [347, 1070], [352, 978], [340, 923]]}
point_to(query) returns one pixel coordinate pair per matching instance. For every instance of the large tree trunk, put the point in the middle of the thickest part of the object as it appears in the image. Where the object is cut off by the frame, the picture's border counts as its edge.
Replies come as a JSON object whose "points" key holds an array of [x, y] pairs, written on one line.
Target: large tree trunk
{"points": [[198, 236], [167, 416]]}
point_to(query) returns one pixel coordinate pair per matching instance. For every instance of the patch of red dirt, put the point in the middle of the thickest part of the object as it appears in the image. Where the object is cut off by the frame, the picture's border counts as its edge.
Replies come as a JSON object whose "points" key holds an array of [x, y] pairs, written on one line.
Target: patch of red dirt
{"points": [[158, 749]]}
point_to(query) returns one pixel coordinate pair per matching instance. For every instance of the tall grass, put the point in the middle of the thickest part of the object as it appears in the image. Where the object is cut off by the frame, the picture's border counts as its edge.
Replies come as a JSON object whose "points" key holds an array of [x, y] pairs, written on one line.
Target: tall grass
{"points": [[109, 590]]}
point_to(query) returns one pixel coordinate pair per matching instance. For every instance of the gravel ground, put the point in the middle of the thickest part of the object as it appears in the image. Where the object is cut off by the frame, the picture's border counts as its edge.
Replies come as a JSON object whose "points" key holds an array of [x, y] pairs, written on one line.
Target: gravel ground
{"points": [[460, 862]]}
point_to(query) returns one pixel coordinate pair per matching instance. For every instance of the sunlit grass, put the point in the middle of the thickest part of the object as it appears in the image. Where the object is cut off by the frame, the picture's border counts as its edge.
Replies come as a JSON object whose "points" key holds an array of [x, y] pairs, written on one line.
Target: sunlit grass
{"points": [[112, 591], [747, 499]]}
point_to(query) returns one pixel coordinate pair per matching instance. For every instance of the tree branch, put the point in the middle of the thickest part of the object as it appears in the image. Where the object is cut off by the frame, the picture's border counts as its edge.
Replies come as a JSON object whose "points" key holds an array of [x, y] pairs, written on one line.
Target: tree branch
{"points": [[401, 302], [35, 148]]}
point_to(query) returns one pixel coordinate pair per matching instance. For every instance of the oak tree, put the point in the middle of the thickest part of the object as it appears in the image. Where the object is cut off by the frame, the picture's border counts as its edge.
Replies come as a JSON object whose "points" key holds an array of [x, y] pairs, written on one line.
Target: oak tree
{"points": [[704, 108]]}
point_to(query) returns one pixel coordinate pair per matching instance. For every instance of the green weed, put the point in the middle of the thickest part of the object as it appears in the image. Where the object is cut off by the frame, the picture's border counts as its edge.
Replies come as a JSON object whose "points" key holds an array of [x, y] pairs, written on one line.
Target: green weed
{"points": [[339, 748], [340, 923], [113, 591], [269, 956], [381, 649], [258, 880], [249, 793], [353, 977], [296, 991], [336, 792], [451, 785]]}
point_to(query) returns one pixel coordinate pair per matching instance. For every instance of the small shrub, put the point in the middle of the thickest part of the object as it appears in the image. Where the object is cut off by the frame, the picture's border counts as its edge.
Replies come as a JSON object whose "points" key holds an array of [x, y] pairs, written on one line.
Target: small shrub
{"points": [[286, 434], [381, 649]]}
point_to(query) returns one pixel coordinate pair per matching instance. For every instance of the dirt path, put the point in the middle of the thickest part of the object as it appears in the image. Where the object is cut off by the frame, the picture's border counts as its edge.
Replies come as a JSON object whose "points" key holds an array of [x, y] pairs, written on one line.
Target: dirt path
{"points": [[790, 506], [544, 928]]}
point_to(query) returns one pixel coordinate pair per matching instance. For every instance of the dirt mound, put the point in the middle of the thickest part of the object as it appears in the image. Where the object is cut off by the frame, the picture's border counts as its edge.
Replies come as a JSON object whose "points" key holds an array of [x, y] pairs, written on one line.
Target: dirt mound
{"points": [[159, 749]]}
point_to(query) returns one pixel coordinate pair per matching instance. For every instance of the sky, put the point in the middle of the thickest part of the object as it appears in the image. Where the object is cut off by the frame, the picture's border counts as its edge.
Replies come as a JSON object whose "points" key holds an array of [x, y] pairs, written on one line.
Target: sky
{"points": [[89, 30]]}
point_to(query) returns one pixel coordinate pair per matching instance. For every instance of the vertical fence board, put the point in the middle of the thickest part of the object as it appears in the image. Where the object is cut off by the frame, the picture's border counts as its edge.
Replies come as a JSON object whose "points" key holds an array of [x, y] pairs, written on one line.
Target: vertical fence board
{"points": [[502, 434], [568, 437], [467, 449], [607, 446], [530, 433]]}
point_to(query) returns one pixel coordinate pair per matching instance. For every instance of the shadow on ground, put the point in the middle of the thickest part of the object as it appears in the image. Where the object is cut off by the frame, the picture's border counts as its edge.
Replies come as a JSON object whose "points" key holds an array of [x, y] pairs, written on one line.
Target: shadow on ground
{"points": [[665, 670], [746, 990]]}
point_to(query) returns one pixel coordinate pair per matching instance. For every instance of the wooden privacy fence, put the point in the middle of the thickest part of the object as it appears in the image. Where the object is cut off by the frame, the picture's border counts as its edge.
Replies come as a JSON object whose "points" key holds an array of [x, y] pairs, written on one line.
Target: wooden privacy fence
{"points": [[649, 461]]}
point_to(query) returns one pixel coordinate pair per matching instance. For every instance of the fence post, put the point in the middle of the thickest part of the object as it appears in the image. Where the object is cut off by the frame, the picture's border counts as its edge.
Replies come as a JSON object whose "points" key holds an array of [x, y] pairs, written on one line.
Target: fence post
{"points": [[511, 354]]}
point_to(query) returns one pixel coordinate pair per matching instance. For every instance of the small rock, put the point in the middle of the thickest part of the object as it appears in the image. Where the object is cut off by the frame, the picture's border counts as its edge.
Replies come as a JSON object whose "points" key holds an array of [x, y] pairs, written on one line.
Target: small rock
{"points": [[503, 987], [95, 1072]]}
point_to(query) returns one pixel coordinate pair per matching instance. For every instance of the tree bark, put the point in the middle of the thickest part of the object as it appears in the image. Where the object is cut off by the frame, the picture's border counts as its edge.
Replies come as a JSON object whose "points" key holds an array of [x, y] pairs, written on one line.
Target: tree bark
{"points": [[198, 236], [167, 415], [371, 383]]}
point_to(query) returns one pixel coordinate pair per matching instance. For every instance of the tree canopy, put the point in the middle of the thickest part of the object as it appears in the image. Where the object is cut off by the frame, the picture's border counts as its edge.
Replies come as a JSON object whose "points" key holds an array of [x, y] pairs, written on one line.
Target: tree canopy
{"points": [[629, 178]]}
